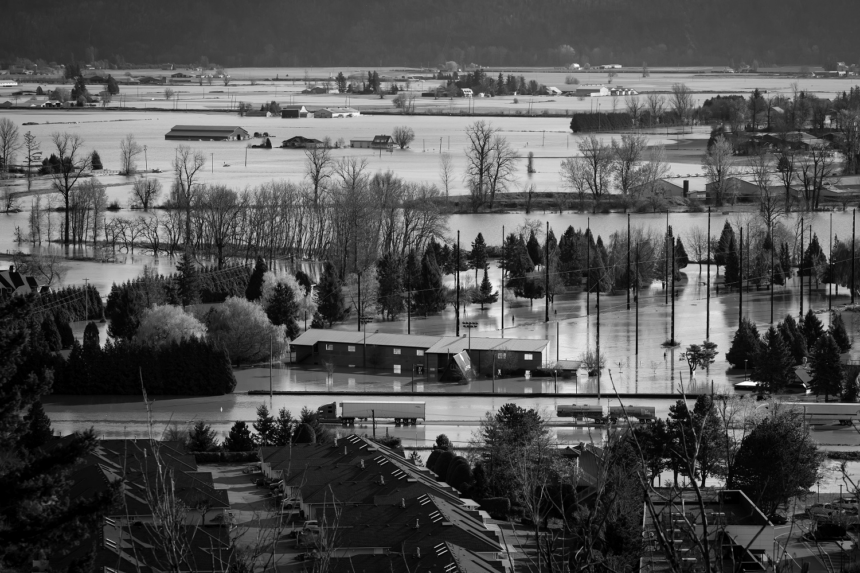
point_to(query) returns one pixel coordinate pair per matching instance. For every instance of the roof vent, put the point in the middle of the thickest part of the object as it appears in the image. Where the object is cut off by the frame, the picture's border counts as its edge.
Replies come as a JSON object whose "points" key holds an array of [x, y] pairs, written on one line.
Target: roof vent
{"points": [[381, 479], [403, 502], [416, 523], [417, 553], [362, 463], [345, 451]]}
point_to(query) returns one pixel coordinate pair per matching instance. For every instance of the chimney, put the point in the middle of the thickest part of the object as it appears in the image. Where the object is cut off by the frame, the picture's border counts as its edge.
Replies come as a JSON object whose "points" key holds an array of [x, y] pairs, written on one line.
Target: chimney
{"points": [[403, 502], [345, 452], [686, 187]]}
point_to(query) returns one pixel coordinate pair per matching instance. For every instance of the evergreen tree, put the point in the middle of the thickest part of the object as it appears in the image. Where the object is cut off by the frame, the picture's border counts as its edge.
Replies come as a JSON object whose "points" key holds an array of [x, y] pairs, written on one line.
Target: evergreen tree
{"points": [[284, 425], [330, 296], [732, 273], [429, 296], [304, 434], [569, 260], [112, 86], [534, 250], [814, 259], [774, 365], [785, 262], [389, 275], [96, 161], [239, 439], [839, 334], [485, 294], [745, 344], [811, 328], [793, 338], [283, 309], [188, 280], [445, 259], [264, 426], [724, 245], [681, 258], [255, 284], [827, 372], [31, 475], [478, 255], [38, 426], [67, 337], [50, 334], [202, 438], [91, 337], [303, 279]]}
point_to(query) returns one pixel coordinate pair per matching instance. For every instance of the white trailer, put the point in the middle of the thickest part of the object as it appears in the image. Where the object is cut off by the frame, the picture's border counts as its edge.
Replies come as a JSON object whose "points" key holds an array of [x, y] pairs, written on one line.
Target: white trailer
{"points": [[400, 412]]}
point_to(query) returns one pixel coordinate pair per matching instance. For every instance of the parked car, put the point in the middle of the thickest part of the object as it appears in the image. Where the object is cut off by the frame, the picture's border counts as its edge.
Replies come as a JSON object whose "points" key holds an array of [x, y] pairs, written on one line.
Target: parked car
{"points": [[311, 525]]}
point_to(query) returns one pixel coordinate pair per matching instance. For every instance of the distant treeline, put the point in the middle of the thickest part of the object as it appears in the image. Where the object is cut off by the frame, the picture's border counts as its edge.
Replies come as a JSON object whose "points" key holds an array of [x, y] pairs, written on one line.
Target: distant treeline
{"points": [[485, 32], [190, 367], [71, 304]]}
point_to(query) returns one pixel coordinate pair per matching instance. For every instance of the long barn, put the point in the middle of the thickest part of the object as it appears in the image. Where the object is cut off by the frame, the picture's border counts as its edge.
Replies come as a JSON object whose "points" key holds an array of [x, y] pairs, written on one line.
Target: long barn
{"points": [[207, 133]]}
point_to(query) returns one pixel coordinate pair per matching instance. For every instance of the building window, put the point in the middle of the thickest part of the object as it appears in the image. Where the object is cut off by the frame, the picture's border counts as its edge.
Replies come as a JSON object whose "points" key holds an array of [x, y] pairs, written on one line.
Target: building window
{"points": [[350, 348], [528, 357], [396, 351], [329, 346], [419, 353], [397, 368], [501, 355]]}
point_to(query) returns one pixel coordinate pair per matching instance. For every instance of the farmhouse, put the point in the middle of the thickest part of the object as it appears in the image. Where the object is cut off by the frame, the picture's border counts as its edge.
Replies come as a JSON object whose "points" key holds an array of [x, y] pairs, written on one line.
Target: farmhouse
{"points": [[14, 283], [207, 133], [337, 112], [592, 91], [661, 188], [378, 142], [294, 111], [299, 142], [402, 353]]}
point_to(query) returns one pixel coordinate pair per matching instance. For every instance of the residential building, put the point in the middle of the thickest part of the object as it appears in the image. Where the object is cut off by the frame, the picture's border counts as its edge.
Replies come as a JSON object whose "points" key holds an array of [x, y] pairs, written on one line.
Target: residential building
{"points": [[553, 91], [8, 83], [467, 92], [14, 283], [425, 355], [741, 537], [299, 142], [294, 111], [338, 112], [738, 190], [207, 133], [385, 142]]}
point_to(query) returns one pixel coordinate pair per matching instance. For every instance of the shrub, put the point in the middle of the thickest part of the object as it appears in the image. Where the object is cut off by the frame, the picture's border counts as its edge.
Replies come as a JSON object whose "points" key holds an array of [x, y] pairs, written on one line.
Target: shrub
{"points": [[443, 464], [304, 434], [166, 323], [497, 507], [245, 331], [432, 459]]}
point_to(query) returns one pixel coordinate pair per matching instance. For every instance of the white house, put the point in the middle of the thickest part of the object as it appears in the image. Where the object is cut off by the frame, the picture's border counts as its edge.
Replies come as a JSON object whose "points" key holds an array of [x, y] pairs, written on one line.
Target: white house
{"points": [[8, 83], [573, 67], [592, 90], [337, 112], [553, 91], [467, 92]]}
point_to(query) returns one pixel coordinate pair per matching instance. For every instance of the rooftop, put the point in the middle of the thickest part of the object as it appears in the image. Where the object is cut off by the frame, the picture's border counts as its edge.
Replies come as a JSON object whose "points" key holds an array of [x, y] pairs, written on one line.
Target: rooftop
{"points": [[453, 344]]}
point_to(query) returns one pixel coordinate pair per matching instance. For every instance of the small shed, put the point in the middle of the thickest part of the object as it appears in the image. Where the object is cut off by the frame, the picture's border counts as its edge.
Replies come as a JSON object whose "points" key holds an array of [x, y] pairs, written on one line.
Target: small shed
{"points": [[207, 133]]}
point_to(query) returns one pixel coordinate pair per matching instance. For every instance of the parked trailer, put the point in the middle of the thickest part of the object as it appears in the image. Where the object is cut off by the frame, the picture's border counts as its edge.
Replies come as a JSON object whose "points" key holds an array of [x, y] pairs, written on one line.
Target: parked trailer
{"points": [[819, 413], [602, 413], [401, 412]]}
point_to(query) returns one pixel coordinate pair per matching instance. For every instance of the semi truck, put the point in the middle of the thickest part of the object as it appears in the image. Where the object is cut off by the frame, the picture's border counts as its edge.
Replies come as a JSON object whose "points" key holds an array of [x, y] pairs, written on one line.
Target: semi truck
{"points": [[603, 413], [827, 413], [401, 412]]}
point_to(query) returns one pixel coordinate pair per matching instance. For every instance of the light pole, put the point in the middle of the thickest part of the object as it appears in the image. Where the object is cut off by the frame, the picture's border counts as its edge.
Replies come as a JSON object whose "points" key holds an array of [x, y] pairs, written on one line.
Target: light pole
{"points": [[145, 158], [745, 370], [364, 320]]}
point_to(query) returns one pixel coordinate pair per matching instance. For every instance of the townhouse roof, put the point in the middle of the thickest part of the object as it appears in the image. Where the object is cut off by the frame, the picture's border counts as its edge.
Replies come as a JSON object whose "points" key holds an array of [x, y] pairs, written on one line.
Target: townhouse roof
{"points": [[442, 557], [410, 523], [182, 131], [315, 335]]}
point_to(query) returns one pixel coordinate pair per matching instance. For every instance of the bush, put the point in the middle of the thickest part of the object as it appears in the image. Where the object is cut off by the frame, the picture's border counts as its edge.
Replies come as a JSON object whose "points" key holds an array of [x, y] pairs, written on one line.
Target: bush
{"points": [[243, 328], [459, 474], [225, 457], [443, 464], [432, 459]]}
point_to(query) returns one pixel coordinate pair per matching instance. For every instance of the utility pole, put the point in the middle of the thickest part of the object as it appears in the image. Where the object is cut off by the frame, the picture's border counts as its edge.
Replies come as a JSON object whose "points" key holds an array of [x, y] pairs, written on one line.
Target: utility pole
{"points": [[673, 291], [830, 267], [270, 366], [853, 258], [502, 293], [588, 267], [666, 261], [457, 282], [708, 283], [628, 261], [358, 310], [409, 306], [373, 414], [636, 299], [772, 247], [546, 272], [597, 340]]}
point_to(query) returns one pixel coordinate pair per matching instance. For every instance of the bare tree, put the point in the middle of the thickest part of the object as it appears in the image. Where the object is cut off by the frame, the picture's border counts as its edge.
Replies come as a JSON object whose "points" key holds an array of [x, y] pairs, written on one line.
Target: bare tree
{"points": [[813, 167], [403, 135], [574, 177], [626, 160], [635, 107], [31, 145], [501, 167], [318, 168], [146, 191], [49, 268], [219, 207], [597, 163], [446, 172], [682, 101], [9, 143], [771, 204], [129, 149], [719, 165], [169, 93], [405, 102], [186, 166], [655, 103], [479, 148], [785, 166], [697, 242], [72, 164]]}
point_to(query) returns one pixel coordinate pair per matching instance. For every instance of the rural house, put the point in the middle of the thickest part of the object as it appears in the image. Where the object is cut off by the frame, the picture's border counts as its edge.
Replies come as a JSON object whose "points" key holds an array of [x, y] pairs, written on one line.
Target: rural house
{"points": [[294, 111], [206, 133], [378, 142], [14, 283], [299, 142]]}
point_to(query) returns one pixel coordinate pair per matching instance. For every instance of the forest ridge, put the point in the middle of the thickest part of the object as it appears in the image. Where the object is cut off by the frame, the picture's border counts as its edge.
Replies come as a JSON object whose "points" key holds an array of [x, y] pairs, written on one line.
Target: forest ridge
{"points": [[428, 32]]}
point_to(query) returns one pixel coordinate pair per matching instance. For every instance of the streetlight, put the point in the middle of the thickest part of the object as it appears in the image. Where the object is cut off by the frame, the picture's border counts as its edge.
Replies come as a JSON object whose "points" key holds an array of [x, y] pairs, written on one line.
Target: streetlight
{"points": [[745, 370], [145, 158], [469, 324]]}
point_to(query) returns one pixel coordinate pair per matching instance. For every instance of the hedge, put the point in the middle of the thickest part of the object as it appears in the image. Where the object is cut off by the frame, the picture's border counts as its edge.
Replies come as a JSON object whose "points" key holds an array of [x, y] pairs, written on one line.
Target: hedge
{"points": [[586, 122], [497, 507]]}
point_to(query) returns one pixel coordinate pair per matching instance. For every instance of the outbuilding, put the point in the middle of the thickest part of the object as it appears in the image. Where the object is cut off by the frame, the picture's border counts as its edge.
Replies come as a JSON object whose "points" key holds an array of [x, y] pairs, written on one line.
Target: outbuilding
{"points": [[207, 133], [294, 111], [331, 112], [592, 91], [300, 142]]}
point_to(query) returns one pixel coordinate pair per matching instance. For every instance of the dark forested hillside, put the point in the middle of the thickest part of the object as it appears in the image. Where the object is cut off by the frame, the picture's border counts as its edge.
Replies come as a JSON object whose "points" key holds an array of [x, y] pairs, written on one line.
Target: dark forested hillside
{"points": [[427, 32]]}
